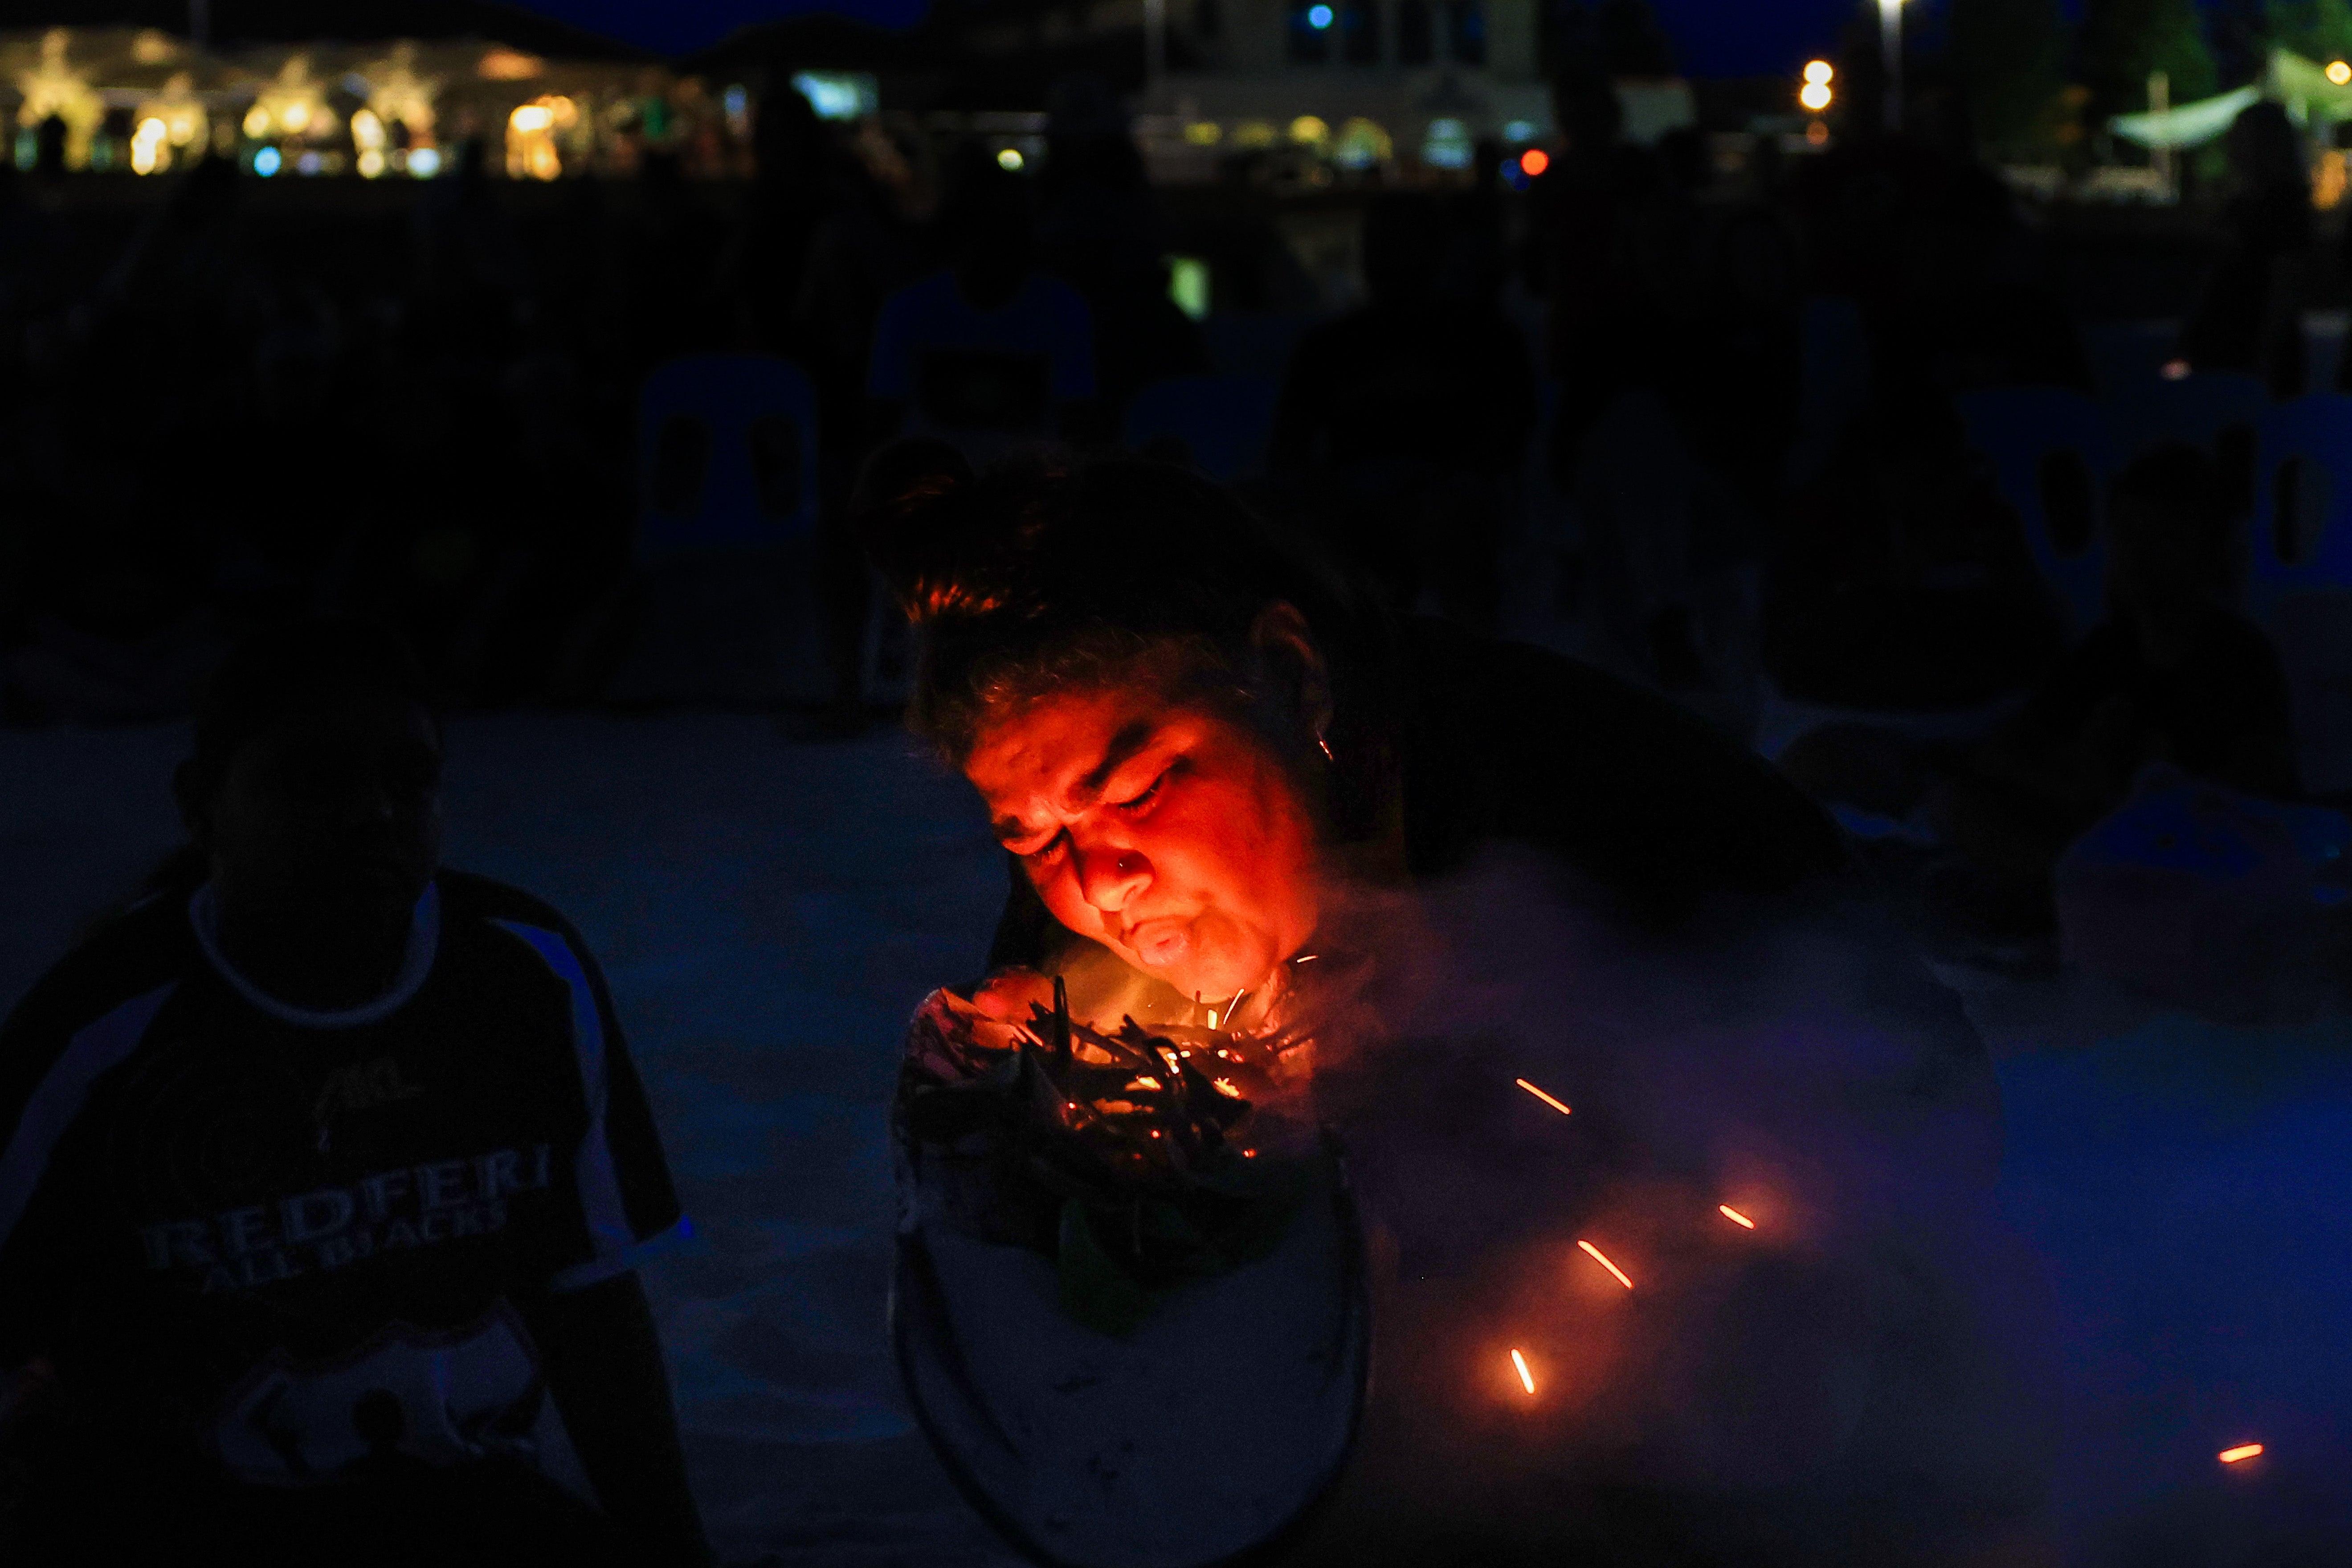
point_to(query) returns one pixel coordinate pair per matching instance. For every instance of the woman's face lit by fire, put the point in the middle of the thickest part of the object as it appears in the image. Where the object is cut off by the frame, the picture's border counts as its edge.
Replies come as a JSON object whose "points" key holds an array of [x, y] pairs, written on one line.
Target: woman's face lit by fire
{"points": [[1161, 824]]}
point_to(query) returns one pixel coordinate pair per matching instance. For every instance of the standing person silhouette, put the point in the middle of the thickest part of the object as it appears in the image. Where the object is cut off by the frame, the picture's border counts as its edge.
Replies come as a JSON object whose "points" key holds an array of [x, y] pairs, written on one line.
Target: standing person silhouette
{"points": [[323, 1169]]}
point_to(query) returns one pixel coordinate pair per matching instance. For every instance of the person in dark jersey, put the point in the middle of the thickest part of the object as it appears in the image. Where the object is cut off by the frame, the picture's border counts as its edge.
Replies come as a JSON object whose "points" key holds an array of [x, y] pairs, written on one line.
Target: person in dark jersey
{"points": [[323, 1176], [1247, 807]]}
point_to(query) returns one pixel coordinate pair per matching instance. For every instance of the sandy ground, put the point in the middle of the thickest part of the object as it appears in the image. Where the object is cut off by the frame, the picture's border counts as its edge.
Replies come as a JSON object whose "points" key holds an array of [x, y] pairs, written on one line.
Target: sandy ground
{"points": [[768, 913]]}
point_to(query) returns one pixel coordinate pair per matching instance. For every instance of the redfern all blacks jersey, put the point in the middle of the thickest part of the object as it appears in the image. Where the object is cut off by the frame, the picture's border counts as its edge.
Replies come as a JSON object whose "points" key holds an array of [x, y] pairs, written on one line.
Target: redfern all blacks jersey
{"points": [[230, 1223]]}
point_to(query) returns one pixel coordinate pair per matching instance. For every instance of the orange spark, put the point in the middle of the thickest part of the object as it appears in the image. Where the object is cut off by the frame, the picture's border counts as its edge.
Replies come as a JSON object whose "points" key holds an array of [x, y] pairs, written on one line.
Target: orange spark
{"points": [[1601, 1259], [1735, 1217], [2242, 1451], [1540, 1094], [1526, 1378]]}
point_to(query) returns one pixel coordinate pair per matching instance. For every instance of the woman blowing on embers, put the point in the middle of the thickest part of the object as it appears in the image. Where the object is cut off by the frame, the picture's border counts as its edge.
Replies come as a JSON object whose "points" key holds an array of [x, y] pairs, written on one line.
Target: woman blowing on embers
{"points": [[1241, 799]]}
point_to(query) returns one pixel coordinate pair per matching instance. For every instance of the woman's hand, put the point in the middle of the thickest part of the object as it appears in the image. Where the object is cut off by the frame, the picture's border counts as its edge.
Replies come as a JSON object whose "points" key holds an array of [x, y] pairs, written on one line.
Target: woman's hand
{"points": [[1007, 995]]}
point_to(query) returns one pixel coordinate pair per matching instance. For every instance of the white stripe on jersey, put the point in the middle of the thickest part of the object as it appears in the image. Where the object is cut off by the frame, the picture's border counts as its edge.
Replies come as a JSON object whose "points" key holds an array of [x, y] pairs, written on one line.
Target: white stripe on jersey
{"points": [[614, 1244], [62, 1093], [416, 964]]}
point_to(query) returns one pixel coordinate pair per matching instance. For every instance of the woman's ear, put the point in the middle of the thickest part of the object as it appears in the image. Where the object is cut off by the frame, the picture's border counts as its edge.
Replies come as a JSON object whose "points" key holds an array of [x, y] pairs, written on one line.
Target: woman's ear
{"points": [[1294, 666]]}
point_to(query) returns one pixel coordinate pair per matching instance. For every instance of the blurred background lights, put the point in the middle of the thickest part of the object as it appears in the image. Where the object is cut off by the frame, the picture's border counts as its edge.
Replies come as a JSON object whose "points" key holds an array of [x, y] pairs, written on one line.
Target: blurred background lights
{"points": [[265, 161], [1534, 162], [1446, 145], [1306, 128], [1010, 160], [146, 146], [424, 163], [1814, 96], [1318, 16], [1520, 130], [2339, 72], [1819, 71], [839, 95]]}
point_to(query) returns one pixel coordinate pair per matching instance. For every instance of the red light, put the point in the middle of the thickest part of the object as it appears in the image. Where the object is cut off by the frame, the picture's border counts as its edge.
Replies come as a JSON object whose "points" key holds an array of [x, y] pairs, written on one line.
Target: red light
{"points": [[1534, 162]]}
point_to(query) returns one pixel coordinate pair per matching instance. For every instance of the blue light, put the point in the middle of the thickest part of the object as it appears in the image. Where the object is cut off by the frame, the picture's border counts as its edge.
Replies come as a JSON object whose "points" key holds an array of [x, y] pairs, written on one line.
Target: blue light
{"points": [[1318, 16], [265, 162]]}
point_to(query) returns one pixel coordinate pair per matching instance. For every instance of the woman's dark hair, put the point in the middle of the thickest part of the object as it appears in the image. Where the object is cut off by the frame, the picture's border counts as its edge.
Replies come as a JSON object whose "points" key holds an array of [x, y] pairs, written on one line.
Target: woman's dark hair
{"points": [[1042, 576]]}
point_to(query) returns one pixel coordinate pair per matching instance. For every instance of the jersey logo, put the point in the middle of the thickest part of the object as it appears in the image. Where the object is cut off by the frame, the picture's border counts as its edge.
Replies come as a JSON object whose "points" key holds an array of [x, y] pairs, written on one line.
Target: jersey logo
{"points": [[361, 1086]]}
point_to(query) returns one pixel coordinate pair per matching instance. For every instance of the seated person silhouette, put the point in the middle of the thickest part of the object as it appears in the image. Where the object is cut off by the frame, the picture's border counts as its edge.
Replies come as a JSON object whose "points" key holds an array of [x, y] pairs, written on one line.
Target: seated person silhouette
{"points": [[992, 354], [2172, 674], [325, 1171], [1407, 418]]}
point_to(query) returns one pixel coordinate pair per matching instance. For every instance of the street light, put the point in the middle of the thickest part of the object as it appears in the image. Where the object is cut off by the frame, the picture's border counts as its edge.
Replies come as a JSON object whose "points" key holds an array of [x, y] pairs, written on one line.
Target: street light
{"points": [[1815, 94], [2338, 72], [1890, 45]]}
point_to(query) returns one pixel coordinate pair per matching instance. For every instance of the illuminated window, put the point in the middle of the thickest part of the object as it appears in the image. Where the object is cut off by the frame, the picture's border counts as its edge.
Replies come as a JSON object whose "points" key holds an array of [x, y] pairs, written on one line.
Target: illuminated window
{"points": [[1416, 38], [1465, 32], [1360, 33], [1311, 42]]}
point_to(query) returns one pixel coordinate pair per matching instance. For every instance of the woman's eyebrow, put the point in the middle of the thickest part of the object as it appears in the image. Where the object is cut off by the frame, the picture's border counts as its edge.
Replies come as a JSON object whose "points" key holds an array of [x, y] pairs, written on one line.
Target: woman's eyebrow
{"points": [[1131, 739]]}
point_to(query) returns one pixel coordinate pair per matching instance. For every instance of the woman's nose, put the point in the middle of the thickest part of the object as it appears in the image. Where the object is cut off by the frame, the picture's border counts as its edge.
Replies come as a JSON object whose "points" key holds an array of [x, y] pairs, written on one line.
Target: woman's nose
{"points": [[1110, 874]]}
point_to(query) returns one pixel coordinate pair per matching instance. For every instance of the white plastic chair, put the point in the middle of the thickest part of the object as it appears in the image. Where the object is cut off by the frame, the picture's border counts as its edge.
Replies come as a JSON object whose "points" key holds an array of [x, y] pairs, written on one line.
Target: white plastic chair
{"points": [[2303, 498], [727, 537], [726, 456], [2300, 585], [2020, 429]]}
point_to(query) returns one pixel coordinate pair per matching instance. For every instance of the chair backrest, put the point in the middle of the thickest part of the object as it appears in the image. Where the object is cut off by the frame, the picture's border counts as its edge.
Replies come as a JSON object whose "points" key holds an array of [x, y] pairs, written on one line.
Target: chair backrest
{"points": [[727, 455], [2303, 498], [1223, 420], [2312, 631], [2204, 410], [2047, 444]]}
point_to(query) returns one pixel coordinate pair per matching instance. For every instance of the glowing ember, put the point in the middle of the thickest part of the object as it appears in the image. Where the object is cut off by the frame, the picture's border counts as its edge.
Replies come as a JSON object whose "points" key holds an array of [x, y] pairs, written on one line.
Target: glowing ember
{"points": [[1213, 1017], [1735, 1217], [1526, 1378], [1601, 1259], [1146, 1081], [1225, 1086], [1540, 1094], [2243, 1451], [1305, 958]]}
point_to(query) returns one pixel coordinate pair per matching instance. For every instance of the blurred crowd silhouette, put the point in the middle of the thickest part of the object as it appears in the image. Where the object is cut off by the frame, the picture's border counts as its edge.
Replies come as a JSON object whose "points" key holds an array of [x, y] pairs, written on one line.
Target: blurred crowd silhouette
{"points": [[1703, 423]]}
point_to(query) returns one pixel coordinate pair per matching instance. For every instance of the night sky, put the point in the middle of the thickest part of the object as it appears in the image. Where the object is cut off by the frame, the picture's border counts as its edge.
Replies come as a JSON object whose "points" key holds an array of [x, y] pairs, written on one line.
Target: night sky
{"points": [[1712, 37]]}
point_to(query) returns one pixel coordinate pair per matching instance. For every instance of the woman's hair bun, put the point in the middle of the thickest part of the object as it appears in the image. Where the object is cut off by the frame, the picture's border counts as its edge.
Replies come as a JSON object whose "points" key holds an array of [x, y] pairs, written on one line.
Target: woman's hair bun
{"points": [[952, 545], [916, 516]]}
